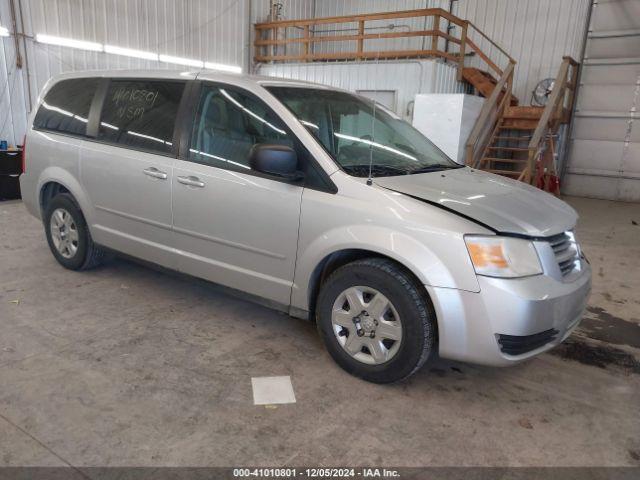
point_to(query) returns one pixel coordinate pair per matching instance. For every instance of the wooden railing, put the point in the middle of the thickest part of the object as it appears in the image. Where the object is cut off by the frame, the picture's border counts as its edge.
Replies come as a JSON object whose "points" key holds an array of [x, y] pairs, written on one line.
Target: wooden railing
{"points": [[557, 110], [294, 40], [489, 119]]}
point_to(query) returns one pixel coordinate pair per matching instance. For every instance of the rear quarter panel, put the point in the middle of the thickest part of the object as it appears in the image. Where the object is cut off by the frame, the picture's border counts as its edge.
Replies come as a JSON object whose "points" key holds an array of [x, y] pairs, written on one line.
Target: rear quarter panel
{"points": [[53, 158]]}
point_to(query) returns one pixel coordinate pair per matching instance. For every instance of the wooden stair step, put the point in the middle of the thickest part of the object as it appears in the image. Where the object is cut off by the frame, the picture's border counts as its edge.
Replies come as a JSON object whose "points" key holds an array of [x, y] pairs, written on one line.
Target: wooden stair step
{"points": [[524, 113], [514, 139], [520, 122], [511, 149], [478, 78], [504, 160], [516, 127], [483, 82], [506, 173]]}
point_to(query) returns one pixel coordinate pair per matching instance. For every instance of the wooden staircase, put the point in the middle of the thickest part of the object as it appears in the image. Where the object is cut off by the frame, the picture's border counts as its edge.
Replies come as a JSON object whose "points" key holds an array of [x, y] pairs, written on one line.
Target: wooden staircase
{"points": [[483, 82], [521, 142], [507, 152]]}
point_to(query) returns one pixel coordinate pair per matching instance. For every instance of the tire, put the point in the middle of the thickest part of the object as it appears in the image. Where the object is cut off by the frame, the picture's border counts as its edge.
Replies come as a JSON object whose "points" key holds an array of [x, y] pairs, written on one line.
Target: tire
{"points": [[382, 359], [80, 253]]}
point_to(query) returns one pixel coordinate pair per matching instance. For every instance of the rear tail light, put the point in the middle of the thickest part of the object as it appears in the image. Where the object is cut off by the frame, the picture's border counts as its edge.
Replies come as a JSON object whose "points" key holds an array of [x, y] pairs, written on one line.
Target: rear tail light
{"points": [[24, 154]]}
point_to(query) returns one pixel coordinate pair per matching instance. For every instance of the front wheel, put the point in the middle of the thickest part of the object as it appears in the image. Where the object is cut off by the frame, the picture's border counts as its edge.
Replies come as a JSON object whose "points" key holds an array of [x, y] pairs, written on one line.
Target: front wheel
{"points": [[376, 320]]}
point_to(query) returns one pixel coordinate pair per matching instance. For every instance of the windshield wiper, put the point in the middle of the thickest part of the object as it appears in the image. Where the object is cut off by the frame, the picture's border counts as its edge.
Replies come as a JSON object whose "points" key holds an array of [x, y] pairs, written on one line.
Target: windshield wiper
{"points": [[405, 148], [437, 167], [363, 169]]}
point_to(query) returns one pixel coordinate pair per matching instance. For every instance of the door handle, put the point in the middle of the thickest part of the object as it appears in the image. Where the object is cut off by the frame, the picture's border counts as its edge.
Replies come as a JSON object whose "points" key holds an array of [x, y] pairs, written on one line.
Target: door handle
{"points": [[155, 173], [191, 181]]}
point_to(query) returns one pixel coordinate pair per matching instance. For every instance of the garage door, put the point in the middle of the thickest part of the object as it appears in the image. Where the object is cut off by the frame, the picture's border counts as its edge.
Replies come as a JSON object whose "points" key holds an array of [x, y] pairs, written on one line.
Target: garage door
{"points": [[604, 158]]}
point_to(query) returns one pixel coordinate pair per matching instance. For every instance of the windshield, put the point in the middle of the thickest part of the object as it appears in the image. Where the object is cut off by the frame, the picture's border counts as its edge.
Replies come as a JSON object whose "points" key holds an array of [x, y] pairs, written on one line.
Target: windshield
{"points": [[359, 133]]}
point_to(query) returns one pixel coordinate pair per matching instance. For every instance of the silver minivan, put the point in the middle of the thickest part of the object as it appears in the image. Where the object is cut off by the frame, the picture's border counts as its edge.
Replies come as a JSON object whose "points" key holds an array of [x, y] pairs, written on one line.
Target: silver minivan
{"points": [[313, 200]]}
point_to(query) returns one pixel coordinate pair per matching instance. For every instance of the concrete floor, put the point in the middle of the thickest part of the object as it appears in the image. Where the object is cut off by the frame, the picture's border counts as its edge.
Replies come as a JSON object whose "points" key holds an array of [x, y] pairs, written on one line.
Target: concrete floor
{"points": [[126, 365]]}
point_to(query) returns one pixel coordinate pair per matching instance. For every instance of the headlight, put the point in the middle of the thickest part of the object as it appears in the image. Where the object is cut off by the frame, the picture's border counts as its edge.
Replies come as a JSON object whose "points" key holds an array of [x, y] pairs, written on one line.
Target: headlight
{"points": [[574, 241], [506, 257]]}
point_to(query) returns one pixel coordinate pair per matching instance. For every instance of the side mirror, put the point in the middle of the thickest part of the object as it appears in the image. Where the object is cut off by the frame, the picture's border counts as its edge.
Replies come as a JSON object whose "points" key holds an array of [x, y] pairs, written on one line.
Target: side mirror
{"points": [[278, 160]]}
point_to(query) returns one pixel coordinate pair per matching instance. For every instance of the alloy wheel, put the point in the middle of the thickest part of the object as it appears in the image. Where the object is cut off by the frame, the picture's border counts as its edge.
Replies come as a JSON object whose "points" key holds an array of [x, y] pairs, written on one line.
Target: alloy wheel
{"points": [[64, 233], [367, 325]]}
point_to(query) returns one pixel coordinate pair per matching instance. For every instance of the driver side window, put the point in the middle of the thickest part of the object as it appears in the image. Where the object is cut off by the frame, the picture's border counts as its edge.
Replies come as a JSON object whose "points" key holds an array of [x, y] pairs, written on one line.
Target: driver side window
{"points": [[228, 124]]}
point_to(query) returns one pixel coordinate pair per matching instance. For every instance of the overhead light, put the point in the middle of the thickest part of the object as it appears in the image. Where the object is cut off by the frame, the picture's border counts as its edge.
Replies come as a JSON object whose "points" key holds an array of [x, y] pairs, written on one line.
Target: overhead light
{"points": [[222, 67], [129, 52], [4, 32], [148, 137], [309, 124], [215, 157], [69, 42], [64, 112], [190, 62], [375, 145], [108, 125], [57, 109], [254, 115]]}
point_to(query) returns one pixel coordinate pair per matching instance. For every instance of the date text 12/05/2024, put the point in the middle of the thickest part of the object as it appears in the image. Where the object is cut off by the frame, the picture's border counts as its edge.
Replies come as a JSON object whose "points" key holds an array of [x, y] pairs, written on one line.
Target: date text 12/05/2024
{"points": [[315, 473]]}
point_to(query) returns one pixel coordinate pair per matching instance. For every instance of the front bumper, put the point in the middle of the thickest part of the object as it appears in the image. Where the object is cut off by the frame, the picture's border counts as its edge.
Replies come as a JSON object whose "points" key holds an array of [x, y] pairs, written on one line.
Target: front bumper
{"points": [[472, 326]]}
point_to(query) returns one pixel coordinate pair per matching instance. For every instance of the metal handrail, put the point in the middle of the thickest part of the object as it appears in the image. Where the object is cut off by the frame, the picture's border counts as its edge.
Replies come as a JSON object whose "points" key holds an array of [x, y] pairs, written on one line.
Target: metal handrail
{"points": [[484, 35], [422, 12]]}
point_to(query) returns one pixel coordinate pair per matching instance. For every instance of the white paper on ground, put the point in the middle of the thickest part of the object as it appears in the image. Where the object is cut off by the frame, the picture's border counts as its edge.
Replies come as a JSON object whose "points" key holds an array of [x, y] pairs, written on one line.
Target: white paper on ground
{"points": [[272, 390]]}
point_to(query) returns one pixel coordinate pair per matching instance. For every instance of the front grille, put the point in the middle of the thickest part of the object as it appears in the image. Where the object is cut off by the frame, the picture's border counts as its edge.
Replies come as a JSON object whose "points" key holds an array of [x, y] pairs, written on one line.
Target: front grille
{"points": [[516, 345], [566, 252]]}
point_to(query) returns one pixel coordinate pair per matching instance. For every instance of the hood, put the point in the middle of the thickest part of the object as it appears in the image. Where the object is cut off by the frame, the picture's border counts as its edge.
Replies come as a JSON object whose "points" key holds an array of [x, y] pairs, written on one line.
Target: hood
{"points": [[503, 204]]}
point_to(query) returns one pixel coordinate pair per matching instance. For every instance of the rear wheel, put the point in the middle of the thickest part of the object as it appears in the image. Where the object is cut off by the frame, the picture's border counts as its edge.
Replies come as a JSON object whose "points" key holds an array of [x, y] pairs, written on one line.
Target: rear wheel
{"points": [[376, 320], [68, 235]]}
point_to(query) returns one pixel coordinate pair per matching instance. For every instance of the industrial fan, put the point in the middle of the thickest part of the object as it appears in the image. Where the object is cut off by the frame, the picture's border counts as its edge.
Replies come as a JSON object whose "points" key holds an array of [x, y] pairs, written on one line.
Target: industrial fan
{"points": [[542, 92]]}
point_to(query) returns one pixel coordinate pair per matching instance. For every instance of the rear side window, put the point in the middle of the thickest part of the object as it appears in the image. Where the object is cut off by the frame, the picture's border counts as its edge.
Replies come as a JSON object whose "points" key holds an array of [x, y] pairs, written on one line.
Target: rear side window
{"points": [[141, 114], [66, 106]]}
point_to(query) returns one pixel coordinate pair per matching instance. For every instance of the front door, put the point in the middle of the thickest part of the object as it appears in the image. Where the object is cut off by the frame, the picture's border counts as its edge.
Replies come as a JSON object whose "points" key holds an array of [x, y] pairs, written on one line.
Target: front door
{"points": [[233, 225]]}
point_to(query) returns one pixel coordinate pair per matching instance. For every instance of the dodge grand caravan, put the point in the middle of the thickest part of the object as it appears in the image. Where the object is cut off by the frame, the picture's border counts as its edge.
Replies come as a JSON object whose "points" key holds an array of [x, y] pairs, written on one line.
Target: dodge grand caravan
{"points": [[314, 200]]}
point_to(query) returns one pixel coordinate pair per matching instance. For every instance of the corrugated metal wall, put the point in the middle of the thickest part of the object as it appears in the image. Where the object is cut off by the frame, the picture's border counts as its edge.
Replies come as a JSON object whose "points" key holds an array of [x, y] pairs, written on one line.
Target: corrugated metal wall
{"points": [[289, 9], [536, 33], [12, 85], [215, 31]]}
